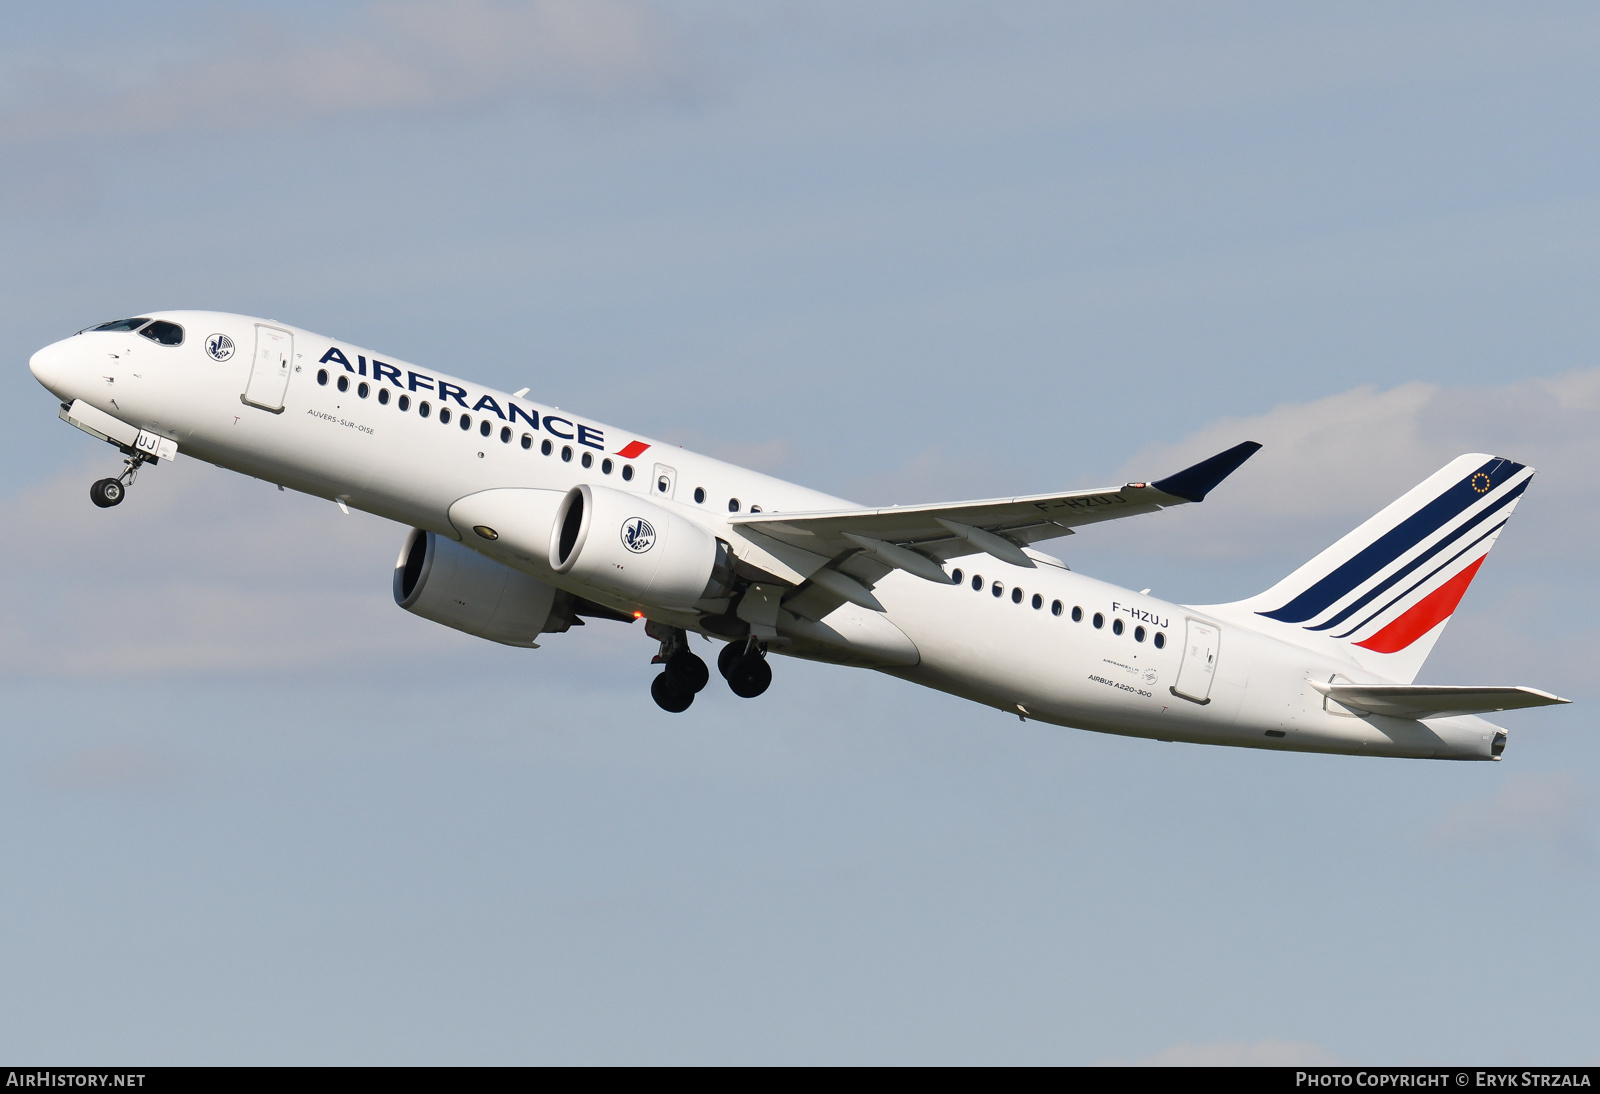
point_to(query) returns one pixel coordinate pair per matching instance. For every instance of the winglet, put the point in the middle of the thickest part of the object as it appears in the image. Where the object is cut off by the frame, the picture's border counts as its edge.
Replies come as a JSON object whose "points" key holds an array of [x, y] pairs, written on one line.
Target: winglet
{"points": [[1194, 483]]}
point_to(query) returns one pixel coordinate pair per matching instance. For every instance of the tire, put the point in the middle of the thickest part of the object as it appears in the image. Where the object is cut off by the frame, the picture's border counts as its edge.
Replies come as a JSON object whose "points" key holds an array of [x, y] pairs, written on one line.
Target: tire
{"points": [[107, 492], [670, 695], [750, 676], [730, 653], [690, 671]]}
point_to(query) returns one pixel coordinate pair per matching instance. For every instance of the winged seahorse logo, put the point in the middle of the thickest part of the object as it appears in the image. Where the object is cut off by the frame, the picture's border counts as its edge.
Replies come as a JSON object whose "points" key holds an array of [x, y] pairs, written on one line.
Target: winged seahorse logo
{"points": [[220, 347], [637, 535]]}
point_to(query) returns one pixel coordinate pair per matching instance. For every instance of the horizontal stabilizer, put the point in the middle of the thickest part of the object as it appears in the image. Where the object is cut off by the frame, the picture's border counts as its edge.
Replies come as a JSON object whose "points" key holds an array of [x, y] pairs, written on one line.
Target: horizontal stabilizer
{"points": [[1428, 701]]}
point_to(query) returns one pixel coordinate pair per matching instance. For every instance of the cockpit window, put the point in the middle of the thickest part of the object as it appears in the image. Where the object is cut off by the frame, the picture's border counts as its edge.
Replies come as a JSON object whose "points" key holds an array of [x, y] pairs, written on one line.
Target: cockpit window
{"points": [[168, 334], [123, 324]]}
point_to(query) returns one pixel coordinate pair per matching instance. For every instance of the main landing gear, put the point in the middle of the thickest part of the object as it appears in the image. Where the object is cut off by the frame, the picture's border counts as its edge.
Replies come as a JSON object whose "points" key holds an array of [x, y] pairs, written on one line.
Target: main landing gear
{"points": [[742, 662], [683, 674], [744, 665], [108, 492]]}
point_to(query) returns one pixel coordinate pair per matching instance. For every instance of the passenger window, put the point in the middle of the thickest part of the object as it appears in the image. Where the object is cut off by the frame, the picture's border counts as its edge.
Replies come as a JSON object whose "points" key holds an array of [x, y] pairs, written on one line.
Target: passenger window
{"points": [[1055, 607], [1138, 634], [977, 583], [588, 460], [485, 428], [733, 505], [444, 415], [344, 383], [997, 589], [383, 396], [362, 389], [627, 471], [1116, 626], [699, 495], [1016, 596], [955, 577], [404, 403], [1160, 640], [1038, 602], [527, 440], [466, 422], [322, 377], [605, 467], [168, 334], [423, 409], [545, 448], [566, 453], [755, 508], [122, 324], [505, 434], [1099, 620], [1077, 614]]}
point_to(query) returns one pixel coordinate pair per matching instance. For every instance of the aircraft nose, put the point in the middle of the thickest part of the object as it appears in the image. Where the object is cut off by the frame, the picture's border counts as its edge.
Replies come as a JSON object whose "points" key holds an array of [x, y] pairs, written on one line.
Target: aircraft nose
{"points": [[49, 367]]}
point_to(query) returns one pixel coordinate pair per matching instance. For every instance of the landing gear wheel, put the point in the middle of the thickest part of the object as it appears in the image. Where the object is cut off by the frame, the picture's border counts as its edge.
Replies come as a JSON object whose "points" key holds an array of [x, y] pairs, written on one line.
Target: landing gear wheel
{"points": [[670, 695], [750, 676], [689, 670], [107, 492], [730, 653]]}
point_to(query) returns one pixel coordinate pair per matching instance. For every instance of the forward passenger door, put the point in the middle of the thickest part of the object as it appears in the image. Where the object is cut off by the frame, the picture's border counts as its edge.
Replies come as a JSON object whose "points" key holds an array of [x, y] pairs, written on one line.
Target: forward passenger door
{"points": [[269, 369]]}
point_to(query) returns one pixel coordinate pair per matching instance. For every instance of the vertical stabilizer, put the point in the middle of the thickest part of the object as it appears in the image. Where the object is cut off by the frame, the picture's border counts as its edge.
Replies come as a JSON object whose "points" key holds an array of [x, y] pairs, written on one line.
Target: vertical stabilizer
{"points": [[1386, 590]]}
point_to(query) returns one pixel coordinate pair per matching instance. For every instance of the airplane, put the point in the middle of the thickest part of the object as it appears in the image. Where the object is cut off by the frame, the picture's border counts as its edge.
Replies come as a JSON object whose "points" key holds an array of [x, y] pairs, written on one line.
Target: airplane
{"points": [[526, 520]]}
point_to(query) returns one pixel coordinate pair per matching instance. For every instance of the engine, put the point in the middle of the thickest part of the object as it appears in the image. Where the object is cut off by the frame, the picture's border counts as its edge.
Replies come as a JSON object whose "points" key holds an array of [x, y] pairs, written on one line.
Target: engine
{"points": [[637, 550], [439, 579]]}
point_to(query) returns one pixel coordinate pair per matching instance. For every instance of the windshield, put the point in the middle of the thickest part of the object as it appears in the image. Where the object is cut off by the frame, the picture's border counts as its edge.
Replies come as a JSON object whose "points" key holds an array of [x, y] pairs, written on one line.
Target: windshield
{"points": [[121, 324], [168, 334]]}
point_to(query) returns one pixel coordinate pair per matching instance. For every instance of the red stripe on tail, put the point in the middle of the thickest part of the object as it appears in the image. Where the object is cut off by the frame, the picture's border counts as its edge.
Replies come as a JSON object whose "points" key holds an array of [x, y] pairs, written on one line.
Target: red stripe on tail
{"points": [[1424, 615]]}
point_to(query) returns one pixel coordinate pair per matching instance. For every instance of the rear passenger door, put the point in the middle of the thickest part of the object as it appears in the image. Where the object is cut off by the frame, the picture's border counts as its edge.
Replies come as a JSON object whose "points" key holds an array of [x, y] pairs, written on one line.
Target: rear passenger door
{"points": [[269, 368]]}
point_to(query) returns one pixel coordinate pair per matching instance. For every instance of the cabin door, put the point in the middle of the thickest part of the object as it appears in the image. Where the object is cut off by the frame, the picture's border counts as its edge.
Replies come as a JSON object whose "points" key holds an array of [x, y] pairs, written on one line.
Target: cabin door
{"points": [[1199, 662], [269, 369]]}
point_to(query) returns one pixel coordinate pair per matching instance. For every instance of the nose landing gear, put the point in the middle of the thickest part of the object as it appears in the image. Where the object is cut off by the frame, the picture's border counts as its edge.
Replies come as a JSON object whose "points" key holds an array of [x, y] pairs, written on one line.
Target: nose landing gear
{"points": [[108, 492], [683, 675]]}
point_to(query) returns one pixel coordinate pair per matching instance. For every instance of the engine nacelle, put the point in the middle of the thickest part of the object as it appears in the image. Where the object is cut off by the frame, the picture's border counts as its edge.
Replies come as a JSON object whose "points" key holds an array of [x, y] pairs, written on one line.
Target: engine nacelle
{"points": [[637, 550], [439, 579]]}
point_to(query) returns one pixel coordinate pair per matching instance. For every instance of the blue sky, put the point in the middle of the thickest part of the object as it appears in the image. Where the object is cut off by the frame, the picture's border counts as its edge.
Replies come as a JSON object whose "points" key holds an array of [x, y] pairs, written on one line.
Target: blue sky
{"points": [[252, 812]]}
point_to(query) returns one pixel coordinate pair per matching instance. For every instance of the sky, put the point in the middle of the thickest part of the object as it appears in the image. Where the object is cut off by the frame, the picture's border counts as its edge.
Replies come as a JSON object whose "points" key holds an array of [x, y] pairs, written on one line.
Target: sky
{"points": [[251, 812]]}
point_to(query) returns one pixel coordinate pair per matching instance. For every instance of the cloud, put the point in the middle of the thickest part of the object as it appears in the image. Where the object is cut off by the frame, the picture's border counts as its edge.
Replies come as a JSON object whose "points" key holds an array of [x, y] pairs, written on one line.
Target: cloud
{"points": [[1548, 812], [399, 55], [1268, 1053], [1329, 464]]}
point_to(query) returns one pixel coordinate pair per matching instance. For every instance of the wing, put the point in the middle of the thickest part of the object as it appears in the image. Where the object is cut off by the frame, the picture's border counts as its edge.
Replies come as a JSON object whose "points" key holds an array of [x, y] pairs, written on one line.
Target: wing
{"points": [[1429, 701], [912, 537]]}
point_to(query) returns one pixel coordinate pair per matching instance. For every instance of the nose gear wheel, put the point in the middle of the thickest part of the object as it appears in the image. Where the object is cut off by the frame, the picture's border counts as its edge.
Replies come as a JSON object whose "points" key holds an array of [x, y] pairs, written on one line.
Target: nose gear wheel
{"points": [[107, 492]]}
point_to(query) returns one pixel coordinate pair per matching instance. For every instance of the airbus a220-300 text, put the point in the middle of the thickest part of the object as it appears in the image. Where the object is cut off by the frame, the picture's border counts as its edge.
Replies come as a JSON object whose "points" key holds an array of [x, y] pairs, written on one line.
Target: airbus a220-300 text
{"points": [[525, 519]]}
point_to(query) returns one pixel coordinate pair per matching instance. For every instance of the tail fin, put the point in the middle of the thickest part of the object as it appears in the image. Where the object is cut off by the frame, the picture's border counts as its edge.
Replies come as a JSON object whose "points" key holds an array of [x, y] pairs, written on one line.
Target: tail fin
{"points": [[1386, 590]]}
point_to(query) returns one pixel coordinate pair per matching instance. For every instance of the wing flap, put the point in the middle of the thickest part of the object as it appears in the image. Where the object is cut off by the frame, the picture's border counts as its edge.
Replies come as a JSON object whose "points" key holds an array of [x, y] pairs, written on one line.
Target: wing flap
{"points": [[1430, 701]]}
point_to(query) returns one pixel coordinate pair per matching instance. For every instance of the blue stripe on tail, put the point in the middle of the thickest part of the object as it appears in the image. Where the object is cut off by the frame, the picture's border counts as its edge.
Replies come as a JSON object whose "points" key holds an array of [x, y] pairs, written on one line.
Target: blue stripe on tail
{"points": [[1395, 542], [1400, 575]]}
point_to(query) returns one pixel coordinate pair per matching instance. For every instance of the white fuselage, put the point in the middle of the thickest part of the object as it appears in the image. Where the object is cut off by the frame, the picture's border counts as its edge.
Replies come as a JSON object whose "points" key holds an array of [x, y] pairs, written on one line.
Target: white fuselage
{"points": [[989, 644]]}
